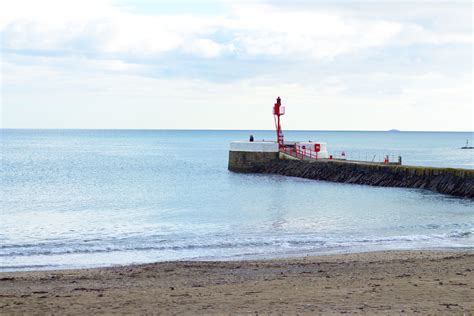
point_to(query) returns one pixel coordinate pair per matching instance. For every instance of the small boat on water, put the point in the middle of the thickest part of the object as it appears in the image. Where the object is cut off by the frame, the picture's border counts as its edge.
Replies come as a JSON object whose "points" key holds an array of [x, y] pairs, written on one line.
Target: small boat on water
{"points": [[467, 145]]}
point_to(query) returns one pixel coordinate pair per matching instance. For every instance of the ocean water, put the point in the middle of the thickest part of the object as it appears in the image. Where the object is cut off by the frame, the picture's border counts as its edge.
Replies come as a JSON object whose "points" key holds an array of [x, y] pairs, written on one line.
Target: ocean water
{"points": [[88, 198]]}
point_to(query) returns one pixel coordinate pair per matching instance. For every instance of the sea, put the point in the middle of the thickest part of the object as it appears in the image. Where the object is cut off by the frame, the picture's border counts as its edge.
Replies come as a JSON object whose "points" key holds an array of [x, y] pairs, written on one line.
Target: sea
{"points": [[94, 198]]}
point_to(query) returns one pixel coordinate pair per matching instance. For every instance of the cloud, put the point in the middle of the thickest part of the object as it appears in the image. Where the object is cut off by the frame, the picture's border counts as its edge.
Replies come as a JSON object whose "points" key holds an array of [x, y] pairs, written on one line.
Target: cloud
{"points": [[254, 29], [208, 48], [95, 28], [373, 61], [263, 30]]}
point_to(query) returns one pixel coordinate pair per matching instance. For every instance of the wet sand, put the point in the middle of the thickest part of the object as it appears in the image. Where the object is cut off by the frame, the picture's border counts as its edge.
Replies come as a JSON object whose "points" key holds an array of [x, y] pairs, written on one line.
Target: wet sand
{"points": [[396, 282]]}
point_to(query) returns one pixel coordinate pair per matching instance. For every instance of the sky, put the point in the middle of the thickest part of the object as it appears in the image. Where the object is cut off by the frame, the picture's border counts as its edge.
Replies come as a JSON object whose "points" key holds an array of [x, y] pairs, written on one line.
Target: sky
{"points": [[220, 64]]}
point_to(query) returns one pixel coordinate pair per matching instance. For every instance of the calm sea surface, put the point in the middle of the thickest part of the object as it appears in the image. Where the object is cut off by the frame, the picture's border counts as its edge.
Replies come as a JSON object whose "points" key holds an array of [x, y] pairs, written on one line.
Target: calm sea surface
{"points": [[85, 198]]}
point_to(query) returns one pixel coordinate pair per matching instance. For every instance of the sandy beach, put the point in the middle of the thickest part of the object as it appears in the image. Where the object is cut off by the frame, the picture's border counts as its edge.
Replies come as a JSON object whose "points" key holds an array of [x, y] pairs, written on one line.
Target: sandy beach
{"points": [[395, 282]]}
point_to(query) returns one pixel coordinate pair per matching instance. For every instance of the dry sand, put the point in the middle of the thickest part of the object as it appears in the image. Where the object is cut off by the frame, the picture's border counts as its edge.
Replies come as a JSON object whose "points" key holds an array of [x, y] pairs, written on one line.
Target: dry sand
{"points": [[423, 282]]}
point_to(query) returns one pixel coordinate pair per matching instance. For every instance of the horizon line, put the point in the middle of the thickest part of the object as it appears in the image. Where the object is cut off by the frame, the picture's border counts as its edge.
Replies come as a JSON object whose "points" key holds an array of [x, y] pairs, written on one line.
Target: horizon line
{"points": [[229, 130]]}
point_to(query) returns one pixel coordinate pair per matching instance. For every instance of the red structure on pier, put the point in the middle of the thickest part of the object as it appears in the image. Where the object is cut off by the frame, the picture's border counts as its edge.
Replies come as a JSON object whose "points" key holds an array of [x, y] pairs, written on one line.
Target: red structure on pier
{"points": [[278, 111]]}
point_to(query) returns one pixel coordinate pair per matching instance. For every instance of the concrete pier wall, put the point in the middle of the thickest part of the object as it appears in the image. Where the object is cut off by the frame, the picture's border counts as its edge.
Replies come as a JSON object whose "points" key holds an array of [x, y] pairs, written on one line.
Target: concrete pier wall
{"points": [[244, 155], [245, 161], [455, 182]]}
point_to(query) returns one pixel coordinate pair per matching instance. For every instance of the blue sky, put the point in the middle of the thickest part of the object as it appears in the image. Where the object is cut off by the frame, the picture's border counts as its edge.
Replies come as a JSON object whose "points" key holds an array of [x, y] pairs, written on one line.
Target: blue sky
{"points": [[339, 65]]}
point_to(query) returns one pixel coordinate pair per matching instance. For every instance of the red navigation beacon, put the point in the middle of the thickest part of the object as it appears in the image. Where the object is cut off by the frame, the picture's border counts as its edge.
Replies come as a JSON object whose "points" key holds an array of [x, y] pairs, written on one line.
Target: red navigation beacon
{"points": [[278, 111]]}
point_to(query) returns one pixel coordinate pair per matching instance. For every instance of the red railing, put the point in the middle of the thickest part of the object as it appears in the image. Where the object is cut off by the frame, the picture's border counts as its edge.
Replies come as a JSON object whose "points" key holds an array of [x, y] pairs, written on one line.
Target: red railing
{"points": [[300, 152], [377, 158]]}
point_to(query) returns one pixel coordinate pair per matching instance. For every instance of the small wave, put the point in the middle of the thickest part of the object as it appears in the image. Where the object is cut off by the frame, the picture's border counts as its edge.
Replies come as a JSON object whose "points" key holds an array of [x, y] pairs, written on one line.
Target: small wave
{"points": [[259, 242], [460, 234], [30, 266], [108, 249]]}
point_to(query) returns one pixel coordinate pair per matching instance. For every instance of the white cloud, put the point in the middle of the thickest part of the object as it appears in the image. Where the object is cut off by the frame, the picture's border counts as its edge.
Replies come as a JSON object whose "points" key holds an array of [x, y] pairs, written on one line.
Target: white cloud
{"points": [[264, 30], [100, 27], [207, 48], [94, 27], [63, 60], [84, 99]]}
